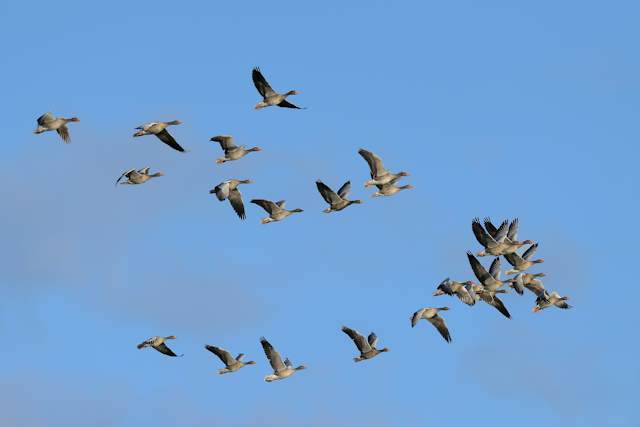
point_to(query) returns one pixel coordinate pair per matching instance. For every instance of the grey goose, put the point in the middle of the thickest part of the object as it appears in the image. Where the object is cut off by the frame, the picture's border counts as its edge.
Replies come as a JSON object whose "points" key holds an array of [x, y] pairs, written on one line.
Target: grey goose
{"points": [[366, 346], [337, 201], [159, 129], [231, 364], [228, 190], [269, 96], [231, 150], [48, 122], [158, 343], [430, 314], [281, 370]]}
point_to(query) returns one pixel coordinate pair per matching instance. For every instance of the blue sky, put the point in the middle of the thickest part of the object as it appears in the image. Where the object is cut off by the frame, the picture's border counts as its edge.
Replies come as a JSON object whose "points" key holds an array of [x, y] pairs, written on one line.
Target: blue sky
{"points": [[497, 109]]}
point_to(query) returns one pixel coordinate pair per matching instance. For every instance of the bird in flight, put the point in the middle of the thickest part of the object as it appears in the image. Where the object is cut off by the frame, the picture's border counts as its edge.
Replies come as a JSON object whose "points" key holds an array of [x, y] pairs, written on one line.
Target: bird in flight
{"points": [[269, 96]]}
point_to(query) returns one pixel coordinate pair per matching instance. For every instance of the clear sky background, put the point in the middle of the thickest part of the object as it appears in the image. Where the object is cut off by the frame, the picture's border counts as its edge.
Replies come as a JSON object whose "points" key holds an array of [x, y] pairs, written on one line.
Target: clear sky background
{"points": [[497, 108]]}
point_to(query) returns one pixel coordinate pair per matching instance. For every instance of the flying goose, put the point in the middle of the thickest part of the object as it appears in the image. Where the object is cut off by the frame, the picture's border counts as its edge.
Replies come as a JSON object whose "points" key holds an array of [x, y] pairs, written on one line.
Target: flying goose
{"points": [[276, 211], [158, 344], [546, 300], [389, 189], [269, 96], [232, 364], [159, 129], [229, 190], [431, 314], [48, 122], [491, 279], [379, 175], [367, 347], [489, 283], [510, 244], [528, 281], [521, 263], [460, 290], [493, 243], [281, 370], [338, 201], [491, 298], [139, 176], [231, 151]]}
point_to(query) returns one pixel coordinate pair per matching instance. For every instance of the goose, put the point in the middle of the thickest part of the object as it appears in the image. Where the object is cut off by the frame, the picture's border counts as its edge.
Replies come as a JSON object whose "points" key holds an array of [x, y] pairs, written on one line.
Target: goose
{"points": [[229, 190], [337, 202], [159, 129], [281, 370], [276, 211], [379, 175], [48, 122], [157, 343], [528, 281], [545, 300], [492, 242], [461, 290], [389, 189], [489, 280], [431, 314], [510, 244], [232, 364], [521, 263], [139, 176], [367, 347], [490, 283], [231, 151], [269, 96]]}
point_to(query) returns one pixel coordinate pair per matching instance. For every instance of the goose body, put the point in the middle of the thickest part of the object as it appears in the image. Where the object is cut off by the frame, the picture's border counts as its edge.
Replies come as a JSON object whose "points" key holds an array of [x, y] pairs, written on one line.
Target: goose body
{"points": [[139, 176], [337, 201], [498, 241], [379, 175], [366, 346], [281, 370], [269, 96], [522, 263], [276, 211], [231, 150], [231, 364], [528, 281], [158, 343], [48, 122], [460, 290], [228, 190], [490, 284], [390, 188], [546, 300], [159, 129], [430, 314], [490, 280]]}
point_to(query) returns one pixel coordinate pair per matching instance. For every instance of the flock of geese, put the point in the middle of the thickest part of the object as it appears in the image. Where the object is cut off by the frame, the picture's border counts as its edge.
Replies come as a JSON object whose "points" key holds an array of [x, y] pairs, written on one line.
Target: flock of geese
{"points": [[498, 242]]}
